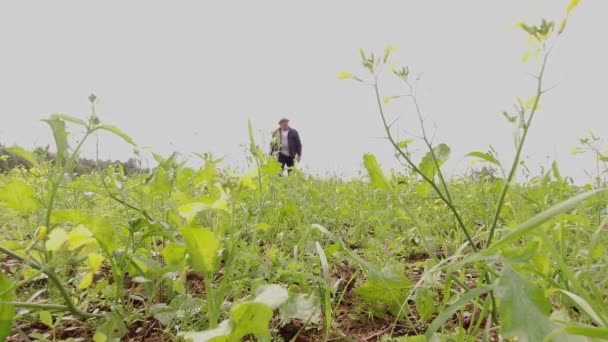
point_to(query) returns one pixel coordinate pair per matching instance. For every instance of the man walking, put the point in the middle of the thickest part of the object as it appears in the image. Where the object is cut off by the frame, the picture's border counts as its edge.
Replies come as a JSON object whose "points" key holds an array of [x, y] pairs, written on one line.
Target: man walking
{"points": [[286, 144]]}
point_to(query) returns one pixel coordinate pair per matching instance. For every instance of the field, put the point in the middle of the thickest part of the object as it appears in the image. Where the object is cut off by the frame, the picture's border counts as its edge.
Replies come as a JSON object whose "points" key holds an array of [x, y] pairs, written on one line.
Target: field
{"points": [[109, 253]]}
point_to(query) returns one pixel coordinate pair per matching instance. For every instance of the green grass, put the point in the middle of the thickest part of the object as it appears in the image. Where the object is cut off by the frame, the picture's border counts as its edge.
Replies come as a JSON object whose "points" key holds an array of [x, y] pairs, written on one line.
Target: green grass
{"points": [[212, 255]]}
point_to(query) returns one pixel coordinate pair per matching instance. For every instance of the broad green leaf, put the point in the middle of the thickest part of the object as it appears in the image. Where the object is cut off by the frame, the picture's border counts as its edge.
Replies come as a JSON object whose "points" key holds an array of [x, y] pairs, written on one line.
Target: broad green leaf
{"points": [[57, 238], [206, 174], [94, 261], [103, 231], [223, 330], [68, 215], [428, 166], [174, 255], [272, 167], [271, 295], [160, 182], [524, 310], [118, 132], [80, 236], [61, 137], [86, 281], [19, 196], [144, 266], [190, 210], [46, 318], [69, 119], [375, 172], [390, 288], [424, 303], [7, 295], [23, 154], [112, 330], [202, 245], [485, 156], [250, 318], [306, 308]]}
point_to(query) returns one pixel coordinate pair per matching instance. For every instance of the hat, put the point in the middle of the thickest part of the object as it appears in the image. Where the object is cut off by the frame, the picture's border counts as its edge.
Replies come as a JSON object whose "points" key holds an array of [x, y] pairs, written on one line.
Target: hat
{"points": [[283, 119]]}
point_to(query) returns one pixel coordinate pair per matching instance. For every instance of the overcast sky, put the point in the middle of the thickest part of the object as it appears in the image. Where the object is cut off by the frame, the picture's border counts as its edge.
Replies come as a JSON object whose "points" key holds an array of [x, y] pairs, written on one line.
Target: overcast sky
{"points": [[187, 75]]}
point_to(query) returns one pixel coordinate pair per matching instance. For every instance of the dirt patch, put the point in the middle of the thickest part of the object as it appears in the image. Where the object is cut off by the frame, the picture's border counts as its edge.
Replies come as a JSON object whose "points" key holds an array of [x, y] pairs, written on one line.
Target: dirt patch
{"points": [[149, 331]]}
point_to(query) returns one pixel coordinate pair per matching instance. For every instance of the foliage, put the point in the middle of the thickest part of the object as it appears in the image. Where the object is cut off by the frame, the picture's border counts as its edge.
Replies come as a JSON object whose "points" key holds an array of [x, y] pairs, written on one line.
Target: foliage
{"points": [[210, 254]]}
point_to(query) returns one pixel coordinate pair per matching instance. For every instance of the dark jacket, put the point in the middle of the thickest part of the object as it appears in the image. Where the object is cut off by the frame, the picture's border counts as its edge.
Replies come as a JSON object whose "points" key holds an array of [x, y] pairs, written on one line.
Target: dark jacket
{"points": [[293, 138]]}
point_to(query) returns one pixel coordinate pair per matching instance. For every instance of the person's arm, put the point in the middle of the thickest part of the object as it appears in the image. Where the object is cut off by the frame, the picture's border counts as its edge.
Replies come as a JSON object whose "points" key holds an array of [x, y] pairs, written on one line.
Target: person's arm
{"points": [[298, 145]]}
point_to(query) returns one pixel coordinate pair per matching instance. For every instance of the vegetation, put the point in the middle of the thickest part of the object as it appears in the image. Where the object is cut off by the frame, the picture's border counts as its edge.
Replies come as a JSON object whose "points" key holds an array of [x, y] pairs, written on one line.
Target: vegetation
{"points": [[211, 255]]}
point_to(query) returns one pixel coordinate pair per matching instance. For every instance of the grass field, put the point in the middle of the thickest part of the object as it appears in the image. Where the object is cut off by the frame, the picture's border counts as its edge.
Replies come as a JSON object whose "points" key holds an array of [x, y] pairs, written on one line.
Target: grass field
{"points": [[209, 254]]}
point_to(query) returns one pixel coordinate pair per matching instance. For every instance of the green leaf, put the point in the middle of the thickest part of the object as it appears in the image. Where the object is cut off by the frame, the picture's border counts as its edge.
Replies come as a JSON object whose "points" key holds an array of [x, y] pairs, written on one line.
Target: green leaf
{"points": [[523, 308], [324, 263], [103, 232], [344, 75], [387, 52], [593, 332], [67, 215], [46, 318], [375, 172], [539, 219], [7, 295], [202, 245], [250, 318], [424, 303], [405, 143], [428, 166], [271, 295], [484, 156], [569, 9], [118, 132], [572, 5], [69, 119], [262, 226], [447, 313], [23, 154], [218, 334], [19, 196], [173, 255], [306, 308], [61, 137], [583, 305], [391, 287], [555, 170], [57, 238]]}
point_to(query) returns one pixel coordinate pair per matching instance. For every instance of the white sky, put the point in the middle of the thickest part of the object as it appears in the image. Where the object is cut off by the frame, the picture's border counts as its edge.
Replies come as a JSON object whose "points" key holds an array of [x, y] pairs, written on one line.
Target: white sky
{"points": [[187, 75]]}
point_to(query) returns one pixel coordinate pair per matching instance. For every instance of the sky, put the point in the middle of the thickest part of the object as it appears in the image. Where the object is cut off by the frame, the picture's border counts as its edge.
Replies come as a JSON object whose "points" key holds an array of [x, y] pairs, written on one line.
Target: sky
{"points": [[187, 76]]}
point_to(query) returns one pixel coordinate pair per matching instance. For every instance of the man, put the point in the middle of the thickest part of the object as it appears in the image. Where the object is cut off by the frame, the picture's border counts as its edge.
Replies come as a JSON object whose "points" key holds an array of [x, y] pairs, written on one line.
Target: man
{"points": [[286, 144]]}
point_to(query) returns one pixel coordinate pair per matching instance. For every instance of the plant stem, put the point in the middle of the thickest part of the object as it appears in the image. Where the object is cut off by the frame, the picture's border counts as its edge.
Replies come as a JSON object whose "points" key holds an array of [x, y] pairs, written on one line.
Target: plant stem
{"points": [[53, 277], [418, 171], [37, 306], [520, 145]]}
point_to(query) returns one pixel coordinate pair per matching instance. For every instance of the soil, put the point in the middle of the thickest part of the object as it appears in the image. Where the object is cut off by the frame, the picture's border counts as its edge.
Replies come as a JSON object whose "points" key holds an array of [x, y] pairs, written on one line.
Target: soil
{"points": [[350, 321]]}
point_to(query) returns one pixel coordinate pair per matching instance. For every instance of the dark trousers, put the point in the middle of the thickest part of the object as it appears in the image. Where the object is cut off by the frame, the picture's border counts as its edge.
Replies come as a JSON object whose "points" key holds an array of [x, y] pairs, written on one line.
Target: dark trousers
{"points": [[286, 161]]}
